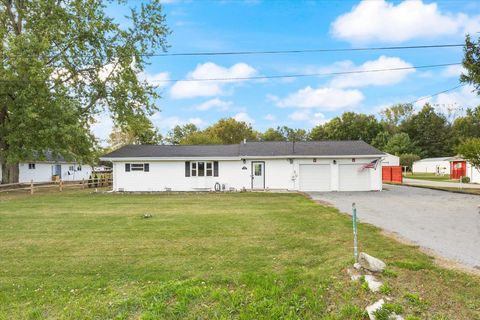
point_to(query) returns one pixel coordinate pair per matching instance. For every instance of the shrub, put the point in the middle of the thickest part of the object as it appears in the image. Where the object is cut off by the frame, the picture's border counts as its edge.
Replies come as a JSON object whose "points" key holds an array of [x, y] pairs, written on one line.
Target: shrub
{"points": [[465, 179], [407, 160]]}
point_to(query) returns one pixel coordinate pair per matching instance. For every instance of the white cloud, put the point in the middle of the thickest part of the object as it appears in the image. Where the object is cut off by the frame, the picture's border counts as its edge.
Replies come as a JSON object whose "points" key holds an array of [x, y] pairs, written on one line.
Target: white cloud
{"points": [[299, 115], [306, 115], [382, 21], [157, 79], [214, 104], [453, 71], [322, 98], [167, 123], [381, 78], [210, 70], [270, 117], [102, 127], [458, 99], [243, 116]]}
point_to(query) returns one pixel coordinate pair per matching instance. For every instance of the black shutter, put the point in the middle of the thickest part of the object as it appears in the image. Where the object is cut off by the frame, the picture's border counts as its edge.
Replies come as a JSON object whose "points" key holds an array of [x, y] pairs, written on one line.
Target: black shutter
{"points": [[215, 168], [146, 167], [127, 167], [187, 168]]}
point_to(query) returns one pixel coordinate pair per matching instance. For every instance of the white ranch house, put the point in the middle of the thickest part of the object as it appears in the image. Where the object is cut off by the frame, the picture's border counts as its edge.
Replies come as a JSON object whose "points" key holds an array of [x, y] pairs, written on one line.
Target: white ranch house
{"points": [[305, 166], [46, 170]]}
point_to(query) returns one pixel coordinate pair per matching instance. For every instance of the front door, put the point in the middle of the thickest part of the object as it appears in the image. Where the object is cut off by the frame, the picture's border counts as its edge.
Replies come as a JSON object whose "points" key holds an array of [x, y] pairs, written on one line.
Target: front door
{"points": [[258, 175]]}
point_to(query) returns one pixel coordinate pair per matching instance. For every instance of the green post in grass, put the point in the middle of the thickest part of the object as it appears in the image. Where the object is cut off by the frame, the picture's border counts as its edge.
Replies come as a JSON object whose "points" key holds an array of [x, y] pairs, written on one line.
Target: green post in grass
{"points": [[355, 243]]}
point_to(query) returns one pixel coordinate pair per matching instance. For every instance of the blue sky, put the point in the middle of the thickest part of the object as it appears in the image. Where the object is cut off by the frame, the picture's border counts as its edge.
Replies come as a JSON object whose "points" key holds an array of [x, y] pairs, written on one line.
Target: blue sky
{"points": [[212, 26]]}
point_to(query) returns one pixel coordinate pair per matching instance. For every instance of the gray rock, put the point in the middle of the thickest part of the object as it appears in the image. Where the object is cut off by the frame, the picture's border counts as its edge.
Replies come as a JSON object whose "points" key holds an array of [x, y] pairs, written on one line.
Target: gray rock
{"points": [[371, 263], [373, 284], [374, 307], [357, 266], [354, 274]]}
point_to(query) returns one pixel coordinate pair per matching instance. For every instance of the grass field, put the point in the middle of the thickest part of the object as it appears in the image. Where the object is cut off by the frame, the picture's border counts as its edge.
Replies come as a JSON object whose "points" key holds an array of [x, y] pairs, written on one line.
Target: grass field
{"points": [[429, 176], [77, 255]]}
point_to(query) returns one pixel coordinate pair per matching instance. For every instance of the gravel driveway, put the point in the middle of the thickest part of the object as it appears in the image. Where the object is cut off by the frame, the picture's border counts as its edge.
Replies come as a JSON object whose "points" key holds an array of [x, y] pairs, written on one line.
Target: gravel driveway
{"points": [[447, 223]]}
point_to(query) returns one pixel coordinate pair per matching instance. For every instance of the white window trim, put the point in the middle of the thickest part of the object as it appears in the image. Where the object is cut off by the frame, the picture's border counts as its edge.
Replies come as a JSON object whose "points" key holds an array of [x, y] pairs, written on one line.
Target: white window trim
{"points": [[194, 169], [137, 167]]}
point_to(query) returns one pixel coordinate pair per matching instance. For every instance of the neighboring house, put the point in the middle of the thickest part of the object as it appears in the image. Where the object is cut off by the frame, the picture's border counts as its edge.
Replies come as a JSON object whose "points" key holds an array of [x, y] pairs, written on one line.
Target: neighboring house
{"points": [[306, 166], [460, 167], [47, 170], [390, 160], [432, 165], [472, 173]]}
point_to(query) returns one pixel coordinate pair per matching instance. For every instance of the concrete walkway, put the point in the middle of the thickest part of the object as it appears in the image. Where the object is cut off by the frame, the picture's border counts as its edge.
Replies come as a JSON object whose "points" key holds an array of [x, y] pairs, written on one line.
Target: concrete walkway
{"points": [[429, 183], [447, 223]]}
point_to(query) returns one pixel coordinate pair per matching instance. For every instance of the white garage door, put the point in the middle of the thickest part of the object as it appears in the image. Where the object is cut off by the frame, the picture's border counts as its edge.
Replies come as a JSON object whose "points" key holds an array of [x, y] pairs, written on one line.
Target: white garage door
{"points": [[315, 177], [352, 178]]}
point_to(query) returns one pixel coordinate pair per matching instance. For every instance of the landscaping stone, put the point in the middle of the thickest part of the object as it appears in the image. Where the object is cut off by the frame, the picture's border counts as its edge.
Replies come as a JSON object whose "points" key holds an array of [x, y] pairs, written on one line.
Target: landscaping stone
{"points": [[373, 284], [357, 266], [374, 307], [354, 274], [371, 263]]}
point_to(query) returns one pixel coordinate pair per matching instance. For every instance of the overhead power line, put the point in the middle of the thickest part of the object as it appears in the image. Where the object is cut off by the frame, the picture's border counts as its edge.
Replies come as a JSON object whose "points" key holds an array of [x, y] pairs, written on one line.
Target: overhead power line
{"points": [[302, 75], [299, 75], [227, 53], [438, 93]]}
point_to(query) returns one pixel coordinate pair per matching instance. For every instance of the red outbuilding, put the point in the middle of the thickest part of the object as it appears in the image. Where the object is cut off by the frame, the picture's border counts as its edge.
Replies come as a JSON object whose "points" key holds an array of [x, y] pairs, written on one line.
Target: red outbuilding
{"points": [[458, 168]]}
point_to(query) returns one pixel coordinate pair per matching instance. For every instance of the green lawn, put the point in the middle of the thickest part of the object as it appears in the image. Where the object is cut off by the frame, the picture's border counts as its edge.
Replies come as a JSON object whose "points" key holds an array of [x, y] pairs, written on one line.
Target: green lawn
{"points": [[77, 255], [429, 176]]}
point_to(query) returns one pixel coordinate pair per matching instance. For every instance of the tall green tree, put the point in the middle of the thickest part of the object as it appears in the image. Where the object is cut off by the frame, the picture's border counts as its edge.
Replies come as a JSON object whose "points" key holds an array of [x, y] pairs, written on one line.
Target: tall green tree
{"points": [[317, 134], [293, 134], [231, 131], [467, 126], [352, 126], [392, 117], [429, 131], [272, 134], [63, 63], [180, 132], [200, 137], [470, 150], [140, 131], [399, 144], [471, 63], [381, 140]]}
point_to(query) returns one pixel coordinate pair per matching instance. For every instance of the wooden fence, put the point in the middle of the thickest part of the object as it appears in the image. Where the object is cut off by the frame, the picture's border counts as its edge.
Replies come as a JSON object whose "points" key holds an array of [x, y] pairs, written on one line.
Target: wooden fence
{"points": [[32, 187]]}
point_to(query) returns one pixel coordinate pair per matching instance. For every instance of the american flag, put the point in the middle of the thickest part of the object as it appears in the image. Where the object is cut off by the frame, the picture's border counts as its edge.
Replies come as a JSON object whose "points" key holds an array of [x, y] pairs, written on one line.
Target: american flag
{"points": [[370, 165]]}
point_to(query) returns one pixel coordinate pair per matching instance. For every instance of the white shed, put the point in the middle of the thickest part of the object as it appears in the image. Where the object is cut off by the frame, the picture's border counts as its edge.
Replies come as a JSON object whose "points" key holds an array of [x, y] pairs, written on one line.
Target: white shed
{"points": [[390, 160], [305, 166], [432, 165]]}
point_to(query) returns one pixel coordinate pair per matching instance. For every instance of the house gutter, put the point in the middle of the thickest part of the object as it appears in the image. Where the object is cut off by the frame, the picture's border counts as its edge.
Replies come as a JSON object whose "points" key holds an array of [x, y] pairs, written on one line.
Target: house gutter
{"points": [[122, 159]]}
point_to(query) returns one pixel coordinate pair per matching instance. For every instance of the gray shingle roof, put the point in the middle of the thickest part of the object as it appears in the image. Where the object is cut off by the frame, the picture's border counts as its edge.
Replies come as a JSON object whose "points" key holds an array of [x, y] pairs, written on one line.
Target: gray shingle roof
{"points": [[249, 149]]}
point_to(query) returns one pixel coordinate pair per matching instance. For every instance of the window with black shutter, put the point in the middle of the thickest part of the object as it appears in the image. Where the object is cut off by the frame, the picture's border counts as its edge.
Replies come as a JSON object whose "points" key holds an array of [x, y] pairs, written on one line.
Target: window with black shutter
{"points": [[146, 167], [187, 168], [127, 167], [215, 168]]}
